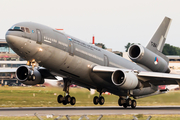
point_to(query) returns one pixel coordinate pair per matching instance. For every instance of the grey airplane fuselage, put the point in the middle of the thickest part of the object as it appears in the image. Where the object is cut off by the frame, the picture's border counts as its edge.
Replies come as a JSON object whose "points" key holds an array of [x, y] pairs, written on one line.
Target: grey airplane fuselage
{"points": [[67, 56]]}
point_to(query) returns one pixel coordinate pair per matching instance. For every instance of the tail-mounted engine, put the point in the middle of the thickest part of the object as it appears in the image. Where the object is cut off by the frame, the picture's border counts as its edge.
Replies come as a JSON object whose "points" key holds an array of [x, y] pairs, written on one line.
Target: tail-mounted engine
{"points": [[29, 76], [144, 56], [125, 80]]}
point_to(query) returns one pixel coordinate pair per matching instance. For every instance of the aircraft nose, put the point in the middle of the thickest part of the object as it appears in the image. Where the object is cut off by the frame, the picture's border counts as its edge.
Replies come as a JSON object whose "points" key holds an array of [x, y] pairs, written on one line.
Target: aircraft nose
{"points": [[13, 36], [9, 38], [14, 40]]}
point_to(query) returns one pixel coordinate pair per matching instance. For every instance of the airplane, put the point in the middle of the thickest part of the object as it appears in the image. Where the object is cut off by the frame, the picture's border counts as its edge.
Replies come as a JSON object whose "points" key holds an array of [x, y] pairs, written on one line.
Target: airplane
{"points": [[51, 53]]}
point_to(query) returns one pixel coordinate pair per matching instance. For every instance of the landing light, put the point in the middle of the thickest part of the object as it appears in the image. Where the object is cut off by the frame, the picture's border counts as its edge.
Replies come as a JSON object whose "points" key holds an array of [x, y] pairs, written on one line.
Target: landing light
{"points": [[40, 49]]}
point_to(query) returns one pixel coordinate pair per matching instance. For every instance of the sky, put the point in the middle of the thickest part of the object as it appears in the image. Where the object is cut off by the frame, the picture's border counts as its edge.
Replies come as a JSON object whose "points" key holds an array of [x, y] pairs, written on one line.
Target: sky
{"points": [[112, 22]]}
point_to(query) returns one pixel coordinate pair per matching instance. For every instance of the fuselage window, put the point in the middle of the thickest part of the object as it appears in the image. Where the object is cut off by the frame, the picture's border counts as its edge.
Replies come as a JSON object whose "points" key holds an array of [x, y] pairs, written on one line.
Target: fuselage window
{"points": [[27, 30]]}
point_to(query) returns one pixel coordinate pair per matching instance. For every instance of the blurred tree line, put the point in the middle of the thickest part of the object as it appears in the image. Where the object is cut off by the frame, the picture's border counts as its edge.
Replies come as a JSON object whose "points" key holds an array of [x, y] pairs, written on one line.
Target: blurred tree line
{"points": [[167, 50], [171, 50]]}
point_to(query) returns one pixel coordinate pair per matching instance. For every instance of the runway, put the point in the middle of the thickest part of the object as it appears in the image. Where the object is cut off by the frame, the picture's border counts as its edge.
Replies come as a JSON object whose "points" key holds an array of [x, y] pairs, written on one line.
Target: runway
{"points": [[29, 111]]}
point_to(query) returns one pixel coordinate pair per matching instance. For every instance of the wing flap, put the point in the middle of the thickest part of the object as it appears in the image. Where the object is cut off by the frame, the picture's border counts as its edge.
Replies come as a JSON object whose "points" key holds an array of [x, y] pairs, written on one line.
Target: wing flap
{"points": [[159, 75], [156, 78]]}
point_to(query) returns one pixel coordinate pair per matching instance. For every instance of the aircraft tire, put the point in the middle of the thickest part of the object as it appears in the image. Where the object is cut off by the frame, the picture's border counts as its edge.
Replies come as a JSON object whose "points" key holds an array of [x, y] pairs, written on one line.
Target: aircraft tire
{"points": [[133, 104], [101, 100], [68, 98], [60, 99], [125, 105], [73, 101], [128, 102], [120, 101], [95, 100], [64, 102]]}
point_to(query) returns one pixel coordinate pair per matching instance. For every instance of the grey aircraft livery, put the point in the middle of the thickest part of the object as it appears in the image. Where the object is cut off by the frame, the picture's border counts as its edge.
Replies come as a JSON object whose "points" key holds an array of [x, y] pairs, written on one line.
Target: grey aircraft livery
{"points": [[51, 53]]}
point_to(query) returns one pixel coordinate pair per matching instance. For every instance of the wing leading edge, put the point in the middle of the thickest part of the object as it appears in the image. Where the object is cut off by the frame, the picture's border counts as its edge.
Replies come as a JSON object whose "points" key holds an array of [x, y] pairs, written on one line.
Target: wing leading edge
{"points": [[155, 78]]}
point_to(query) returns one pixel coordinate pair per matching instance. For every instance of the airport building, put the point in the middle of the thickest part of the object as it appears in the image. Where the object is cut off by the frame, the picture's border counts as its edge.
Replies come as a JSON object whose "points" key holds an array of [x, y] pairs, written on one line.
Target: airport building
{"points": [[9, 61], [174, 62]]}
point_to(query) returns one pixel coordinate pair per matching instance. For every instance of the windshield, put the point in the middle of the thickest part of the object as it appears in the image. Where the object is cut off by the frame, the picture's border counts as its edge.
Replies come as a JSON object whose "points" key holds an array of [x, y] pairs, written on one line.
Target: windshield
{"points": [[17, 28]]}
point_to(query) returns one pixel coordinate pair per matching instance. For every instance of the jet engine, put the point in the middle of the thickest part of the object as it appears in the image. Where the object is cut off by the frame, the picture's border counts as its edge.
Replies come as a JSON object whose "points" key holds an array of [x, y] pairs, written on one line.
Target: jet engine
{"points": [[29, 76], [125, 80], [144, 56]]}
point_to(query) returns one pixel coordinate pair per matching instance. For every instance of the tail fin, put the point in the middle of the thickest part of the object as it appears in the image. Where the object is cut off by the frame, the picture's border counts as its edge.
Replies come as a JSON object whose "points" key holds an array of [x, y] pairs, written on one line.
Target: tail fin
{"points": [[157, 42]]}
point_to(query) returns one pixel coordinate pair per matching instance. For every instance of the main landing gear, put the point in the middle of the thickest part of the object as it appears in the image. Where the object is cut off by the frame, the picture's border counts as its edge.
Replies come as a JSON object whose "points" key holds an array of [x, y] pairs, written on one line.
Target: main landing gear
{"points": [[99, 100], [66, 99], [127, 102]]}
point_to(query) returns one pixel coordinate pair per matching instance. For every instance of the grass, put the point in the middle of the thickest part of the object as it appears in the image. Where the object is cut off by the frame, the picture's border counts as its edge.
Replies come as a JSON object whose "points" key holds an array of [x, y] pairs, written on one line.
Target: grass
{"points": [[44, 97], [47, 97], [105, 117]]}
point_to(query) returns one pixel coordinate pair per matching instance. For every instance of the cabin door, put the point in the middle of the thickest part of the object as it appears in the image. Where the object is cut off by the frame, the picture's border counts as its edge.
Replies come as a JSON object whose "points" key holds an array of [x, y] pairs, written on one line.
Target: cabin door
{"points": [[71, 48], [106, 61], [39, 36]]}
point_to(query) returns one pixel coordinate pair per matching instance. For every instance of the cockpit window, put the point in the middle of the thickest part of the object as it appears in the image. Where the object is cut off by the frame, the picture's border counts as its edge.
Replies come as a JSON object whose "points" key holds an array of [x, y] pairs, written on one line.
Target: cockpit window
{"points": [[27, 30], [17, 28], [12, 27], [22, 28]]}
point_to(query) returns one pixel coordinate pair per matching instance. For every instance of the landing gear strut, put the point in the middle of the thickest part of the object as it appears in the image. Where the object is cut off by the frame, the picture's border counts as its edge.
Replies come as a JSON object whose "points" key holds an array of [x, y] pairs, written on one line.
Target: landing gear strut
{"points": [[127, 102], [32, 63], [99, 99], [66, 99]]}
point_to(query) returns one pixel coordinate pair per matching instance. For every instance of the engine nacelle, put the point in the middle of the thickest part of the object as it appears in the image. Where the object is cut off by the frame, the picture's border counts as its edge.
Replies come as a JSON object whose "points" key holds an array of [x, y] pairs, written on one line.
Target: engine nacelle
{"points": [[25, 74], [144, 56], [125, 79]]}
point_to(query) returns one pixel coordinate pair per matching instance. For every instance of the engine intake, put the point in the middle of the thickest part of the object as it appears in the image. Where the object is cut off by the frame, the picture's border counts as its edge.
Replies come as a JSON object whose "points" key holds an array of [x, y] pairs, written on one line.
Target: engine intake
{"points": [[135, 51], [144, 56], [125, 79], [28, 76]]}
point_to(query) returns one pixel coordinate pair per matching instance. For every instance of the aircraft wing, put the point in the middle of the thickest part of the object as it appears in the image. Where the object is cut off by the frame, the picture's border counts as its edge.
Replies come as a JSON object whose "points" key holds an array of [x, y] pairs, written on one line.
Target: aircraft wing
{"points": [[155, 78], [44, 72]]}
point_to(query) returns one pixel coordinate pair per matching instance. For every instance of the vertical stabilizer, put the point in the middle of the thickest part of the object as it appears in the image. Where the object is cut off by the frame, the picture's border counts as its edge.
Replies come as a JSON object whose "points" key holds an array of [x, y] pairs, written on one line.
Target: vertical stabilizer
{"points": [[159, 38], [157, 42]]}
